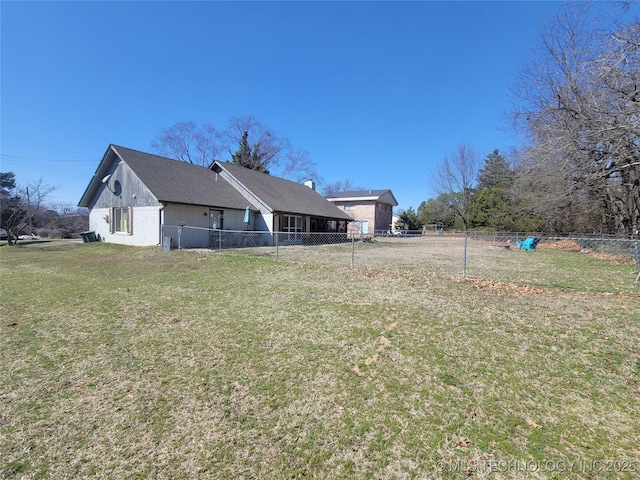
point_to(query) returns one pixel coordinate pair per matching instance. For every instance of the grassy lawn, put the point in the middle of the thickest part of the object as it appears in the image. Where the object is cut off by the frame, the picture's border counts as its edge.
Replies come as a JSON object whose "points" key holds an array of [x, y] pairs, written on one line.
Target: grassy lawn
{"points": [[135, 362]]}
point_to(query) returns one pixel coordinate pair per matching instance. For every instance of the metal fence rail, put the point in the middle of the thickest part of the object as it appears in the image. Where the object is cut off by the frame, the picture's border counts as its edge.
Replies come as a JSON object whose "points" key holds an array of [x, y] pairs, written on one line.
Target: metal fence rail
{"points": [[622, 247], [184, 236], [475, 254]]}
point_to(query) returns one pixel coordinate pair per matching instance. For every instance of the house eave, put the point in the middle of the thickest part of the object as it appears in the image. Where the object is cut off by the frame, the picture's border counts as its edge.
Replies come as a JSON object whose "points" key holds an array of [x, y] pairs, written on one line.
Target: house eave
{"points": [[353, 199], [94, 184]]}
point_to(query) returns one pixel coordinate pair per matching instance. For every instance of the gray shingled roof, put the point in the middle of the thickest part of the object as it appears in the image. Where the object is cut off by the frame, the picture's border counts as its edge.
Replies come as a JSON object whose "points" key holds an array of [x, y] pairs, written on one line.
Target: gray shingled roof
{"points": [[180, 182], [283, 195], [382, 196], [174, 181], [358, 194]]}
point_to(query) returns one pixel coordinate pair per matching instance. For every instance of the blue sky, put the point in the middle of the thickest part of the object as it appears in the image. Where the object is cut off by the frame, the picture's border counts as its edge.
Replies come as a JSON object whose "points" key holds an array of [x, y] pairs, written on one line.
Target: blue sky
{"points": [[376, 92]]}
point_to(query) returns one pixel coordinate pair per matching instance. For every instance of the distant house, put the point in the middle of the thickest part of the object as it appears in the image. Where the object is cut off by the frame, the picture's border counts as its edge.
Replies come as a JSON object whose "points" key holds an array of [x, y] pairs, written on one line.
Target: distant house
{"points": [[137, 198], [371, 209]]}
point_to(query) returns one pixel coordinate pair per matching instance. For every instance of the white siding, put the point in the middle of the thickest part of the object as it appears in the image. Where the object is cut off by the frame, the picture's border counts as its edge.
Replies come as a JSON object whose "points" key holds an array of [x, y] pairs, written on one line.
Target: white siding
{"points": [[145, 226], [234, 220], [264, 222], [191, 216], [196, 221]]}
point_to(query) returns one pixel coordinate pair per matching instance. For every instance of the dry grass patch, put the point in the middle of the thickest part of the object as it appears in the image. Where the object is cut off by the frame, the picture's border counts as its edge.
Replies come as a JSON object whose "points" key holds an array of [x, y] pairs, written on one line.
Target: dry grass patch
{"points": [[125, 362]]}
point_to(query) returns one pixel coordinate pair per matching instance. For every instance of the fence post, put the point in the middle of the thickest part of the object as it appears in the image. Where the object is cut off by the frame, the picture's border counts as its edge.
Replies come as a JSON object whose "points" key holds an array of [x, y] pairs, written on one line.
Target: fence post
{"points": [[276, 235], [637, 252], [219, 241], [353, 250], [179, 237], [464, 256]]}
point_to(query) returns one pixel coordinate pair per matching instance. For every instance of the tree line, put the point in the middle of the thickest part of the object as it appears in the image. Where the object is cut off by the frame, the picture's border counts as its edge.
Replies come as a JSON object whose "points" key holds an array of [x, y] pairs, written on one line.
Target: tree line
{"points": [[247, 142], [474, 196], [577, 106], [244, 141], [25, 212]]}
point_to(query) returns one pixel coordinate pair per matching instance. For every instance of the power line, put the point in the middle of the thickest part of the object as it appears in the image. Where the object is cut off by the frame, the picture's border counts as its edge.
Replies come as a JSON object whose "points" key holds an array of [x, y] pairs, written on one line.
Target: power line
{"points": [[39, 159], [35, 165]]}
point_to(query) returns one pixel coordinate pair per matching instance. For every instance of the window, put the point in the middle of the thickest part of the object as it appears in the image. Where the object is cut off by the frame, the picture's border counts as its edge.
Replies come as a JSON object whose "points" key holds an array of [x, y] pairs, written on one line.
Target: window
{"points": [[292, 224], [121, 220]]}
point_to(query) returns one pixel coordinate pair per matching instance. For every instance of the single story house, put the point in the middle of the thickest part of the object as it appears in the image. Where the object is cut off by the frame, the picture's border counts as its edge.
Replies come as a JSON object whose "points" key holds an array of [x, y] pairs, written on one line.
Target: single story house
{"points": [[138, 198], [371, 209]]}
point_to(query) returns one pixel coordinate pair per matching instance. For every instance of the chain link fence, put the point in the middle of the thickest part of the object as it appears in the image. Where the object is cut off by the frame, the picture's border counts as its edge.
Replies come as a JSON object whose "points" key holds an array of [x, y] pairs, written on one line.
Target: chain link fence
{"points": [[606, 245], [279, 245], [485, 255], [485, 260]]}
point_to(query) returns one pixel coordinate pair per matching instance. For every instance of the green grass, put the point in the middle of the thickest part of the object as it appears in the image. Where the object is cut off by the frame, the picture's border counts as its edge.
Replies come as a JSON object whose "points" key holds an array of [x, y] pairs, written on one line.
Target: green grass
{"points": [[135, 362]]}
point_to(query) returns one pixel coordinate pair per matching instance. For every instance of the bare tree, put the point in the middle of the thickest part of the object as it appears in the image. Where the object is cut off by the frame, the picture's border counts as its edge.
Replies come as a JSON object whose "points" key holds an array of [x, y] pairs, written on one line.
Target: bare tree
{"points": [[455, 178], [298, 166], [21, 207], [340, 186], [579, 106], [188, 142], [247, 141]]}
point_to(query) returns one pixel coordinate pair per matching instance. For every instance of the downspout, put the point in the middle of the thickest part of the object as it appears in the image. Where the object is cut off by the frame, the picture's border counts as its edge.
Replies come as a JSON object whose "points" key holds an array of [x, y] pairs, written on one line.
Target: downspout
{"points": [[161, 225]]}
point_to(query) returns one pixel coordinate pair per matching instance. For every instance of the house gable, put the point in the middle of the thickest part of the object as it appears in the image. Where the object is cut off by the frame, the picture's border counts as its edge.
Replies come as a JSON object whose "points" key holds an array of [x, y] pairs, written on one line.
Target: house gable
{"points": [[373, 209], [168, 181], [277, 195], [121, 188]]}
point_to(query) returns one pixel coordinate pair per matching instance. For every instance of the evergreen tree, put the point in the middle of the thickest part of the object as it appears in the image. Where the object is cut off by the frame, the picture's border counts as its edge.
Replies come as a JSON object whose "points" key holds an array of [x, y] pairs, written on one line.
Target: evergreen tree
{"points": [[437, 211], [496, 172], [491, 205], [409, 220], [248, 158]]}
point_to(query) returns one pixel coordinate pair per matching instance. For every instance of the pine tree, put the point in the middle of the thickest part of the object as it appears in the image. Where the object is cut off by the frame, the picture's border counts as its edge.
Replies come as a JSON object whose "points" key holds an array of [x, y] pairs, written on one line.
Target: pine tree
{"points": [[491, 206], [496, 172], [248, 158]]}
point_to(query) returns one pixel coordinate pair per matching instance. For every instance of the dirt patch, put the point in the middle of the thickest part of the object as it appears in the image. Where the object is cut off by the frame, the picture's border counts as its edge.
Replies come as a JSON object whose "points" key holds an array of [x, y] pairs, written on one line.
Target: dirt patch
{"points": [[502, 288], [509, 288], [573, 246], [607, 256], [564, 245], [383, 343]]}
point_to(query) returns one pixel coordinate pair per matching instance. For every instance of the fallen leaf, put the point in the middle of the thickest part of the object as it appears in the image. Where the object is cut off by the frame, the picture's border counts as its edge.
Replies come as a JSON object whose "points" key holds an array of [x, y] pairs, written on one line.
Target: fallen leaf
{"points": [[533, 424], [462, 442]]}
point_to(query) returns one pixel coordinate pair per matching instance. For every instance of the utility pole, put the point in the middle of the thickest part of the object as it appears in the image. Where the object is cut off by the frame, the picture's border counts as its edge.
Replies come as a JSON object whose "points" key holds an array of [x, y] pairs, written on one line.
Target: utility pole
{"points": [[29, 211]]}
